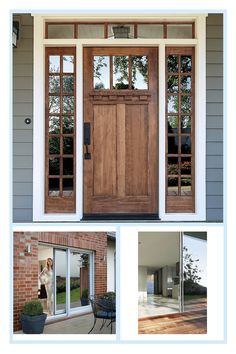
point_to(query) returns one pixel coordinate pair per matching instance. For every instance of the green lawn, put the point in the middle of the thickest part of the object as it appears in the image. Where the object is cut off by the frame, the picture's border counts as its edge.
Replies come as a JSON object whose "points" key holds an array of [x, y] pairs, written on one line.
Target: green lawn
{"points": [[194, 297], [74, 296]]}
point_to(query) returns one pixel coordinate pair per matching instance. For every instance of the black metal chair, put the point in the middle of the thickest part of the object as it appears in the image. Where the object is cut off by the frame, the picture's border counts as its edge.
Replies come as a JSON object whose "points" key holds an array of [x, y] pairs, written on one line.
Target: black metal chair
{"points": [[104, 307]]}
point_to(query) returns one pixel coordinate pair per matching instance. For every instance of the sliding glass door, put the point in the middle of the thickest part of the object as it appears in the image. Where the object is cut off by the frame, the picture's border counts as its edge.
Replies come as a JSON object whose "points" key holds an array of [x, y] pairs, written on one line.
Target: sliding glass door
{"points": [[60, 279]]}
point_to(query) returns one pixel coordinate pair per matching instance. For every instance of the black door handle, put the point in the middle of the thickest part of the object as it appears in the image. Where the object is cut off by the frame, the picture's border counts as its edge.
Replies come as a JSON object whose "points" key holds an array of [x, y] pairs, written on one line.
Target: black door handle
{"points": [[87, 155]]}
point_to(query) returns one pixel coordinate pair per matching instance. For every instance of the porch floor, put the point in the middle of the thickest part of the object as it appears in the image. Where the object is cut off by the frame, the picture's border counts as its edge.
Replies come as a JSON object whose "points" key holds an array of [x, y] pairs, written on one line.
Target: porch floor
{"points": [[77, 325], [156, 305]]}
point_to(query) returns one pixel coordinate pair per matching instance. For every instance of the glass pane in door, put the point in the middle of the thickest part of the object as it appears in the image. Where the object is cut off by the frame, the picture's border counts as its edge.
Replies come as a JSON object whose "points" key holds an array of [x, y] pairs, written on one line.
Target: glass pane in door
{"points": [[79, 279], [60, 281], [195, 272]]}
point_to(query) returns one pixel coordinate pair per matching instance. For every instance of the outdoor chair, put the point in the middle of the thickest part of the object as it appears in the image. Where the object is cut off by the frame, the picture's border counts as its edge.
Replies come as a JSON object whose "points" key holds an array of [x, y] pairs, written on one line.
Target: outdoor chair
{"points": [[104, 307]]}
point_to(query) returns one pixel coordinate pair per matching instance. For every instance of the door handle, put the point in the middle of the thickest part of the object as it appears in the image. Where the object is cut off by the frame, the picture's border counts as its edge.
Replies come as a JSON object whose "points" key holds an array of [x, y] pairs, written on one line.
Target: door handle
{"points": [[87, 155]]}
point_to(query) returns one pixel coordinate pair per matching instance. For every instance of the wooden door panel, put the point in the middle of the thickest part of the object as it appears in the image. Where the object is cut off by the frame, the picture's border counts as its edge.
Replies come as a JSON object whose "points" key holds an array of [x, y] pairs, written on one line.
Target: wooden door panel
{"points": [[136, 144], [121, 176], [104, 150]]}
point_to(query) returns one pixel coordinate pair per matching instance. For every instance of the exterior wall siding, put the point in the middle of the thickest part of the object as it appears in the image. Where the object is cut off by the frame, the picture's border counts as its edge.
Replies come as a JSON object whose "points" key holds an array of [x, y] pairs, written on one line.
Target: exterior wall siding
{"points": [[214, 119], [26, 265], [23, 108]]}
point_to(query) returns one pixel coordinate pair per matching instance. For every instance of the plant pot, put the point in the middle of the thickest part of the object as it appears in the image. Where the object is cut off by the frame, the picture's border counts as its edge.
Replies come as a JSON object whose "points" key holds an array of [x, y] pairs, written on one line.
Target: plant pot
{"points": [[84, 301], [33, 324]]}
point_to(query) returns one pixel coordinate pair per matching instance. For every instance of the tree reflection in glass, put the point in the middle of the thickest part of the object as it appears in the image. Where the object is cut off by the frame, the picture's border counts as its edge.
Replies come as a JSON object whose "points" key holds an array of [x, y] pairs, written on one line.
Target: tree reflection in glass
{"points": [[101, 72], [68, 125], [120, 72], [139, 72]]}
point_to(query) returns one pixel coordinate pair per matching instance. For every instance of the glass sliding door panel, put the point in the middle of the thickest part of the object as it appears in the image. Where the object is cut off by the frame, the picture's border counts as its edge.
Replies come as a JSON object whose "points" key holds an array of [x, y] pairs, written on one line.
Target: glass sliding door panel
{"points": [[60, 281], [195, 271], [79, 279], [46, 278]]}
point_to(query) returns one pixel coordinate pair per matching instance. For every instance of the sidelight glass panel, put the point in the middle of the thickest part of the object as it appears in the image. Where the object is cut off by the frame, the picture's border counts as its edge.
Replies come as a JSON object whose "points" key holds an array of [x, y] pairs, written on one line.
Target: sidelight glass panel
{"points": [[60, 31], [172, 188], [172, 84], [173, 123], [195, 274], [68, 63], [90, 31], [54, 63], [54, 166], [173, 144], [173, 104], [185, 165], [53, 187], [54, 84], [120, 72], [186, 186], [185, 124], [186, 104], [79, 279], [150, 31], [54, 104], [139, 72], [68, 125], [60, 280], [186, 85], [179, 31], [68, 165], [54, 146], [101, 72], [185, 144], [173, 166], [186, 63], [68, 84], [68, 147], [54, 125], [68, 104], [172, 64], [67, 187]]}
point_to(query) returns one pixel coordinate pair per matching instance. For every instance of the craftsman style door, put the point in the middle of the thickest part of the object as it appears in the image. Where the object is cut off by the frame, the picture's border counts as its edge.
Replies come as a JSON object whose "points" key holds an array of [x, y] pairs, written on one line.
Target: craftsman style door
{"points": [[120, 132]]}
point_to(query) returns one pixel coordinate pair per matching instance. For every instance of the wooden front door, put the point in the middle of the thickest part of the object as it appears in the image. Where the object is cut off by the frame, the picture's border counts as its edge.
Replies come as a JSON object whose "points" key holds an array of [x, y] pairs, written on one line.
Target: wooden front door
{"points": [[120, 132]]}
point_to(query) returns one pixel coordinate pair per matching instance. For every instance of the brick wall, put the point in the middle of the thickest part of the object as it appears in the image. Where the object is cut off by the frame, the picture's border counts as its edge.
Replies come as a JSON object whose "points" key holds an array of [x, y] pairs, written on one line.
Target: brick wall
{"points": [[26, 265]]}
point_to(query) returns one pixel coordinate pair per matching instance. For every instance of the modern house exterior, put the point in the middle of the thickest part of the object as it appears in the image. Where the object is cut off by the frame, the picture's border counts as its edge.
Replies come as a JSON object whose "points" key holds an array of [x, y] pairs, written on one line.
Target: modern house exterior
{"points": [[118, 116], [82, 261]]}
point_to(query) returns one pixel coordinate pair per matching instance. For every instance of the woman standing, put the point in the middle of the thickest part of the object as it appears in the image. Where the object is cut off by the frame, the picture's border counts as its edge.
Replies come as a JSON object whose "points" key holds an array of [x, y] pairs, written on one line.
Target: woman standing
{"points": [[46, 278]]}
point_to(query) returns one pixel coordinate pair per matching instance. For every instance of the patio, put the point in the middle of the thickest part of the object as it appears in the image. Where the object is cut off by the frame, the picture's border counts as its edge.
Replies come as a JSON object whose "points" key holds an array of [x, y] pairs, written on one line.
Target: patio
{"points": [[77, 325]]}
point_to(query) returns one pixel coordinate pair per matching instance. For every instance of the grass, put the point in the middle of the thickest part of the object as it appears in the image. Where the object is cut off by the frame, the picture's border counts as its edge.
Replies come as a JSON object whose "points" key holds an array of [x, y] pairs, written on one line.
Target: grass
{"points": [[194, 297], [74, 296]]}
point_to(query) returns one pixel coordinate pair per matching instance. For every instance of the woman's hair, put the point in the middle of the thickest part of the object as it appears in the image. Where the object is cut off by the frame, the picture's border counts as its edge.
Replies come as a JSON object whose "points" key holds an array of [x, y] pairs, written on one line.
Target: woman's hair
{"points": [[48, 264]]}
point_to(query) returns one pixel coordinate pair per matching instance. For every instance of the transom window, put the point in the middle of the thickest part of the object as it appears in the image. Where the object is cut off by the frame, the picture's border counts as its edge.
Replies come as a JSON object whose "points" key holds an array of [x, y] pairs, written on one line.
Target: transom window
{"points": [[119, 30]]}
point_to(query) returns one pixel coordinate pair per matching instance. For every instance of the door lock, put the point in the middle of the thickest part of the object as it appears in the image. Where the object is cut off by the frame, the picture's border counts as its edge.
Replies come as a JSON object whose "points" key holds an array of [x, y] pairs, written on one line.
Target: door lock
{"points": [[87, 154]]}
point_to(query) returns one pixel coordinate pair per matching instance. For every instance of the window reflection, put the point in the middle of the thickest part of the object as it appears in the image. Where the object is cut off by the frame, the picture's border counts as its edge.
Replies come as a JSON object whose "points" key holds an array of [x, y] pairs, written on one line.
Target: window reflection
{"points": [[68, 125], [173, 104], [54, 166], [54, 187], [54, 84], [186, 145], [120, 72], [68, 84], [54, 63], [101, 72], [173, 144], [54, 104], [172, 186], [54, 125], [172, 64], [139, 72], [68, 63], [172, 84]]}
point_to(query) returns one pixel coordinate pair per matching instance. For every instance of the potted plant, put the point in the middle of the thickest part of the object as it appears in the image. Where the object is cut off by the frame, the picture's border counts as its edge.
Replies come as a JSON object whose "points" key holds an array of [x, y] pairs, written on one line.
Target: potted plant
{"points": [[32, 317], [84, 297]]}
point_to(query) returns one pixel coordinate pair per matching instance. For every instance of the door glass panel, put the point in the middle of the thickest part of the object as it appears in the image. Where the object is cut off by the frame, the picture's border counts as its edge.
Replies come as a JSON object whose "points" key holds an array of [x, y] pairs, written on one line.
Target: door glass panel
{"points": [[68, 63], [90, 31], [60, 280], [173, 123], [179, 31], [46, 279], [186, 186], [54, 84], [150, 31], [79, 279], [195, 273], [186, 144], [186, 63], [173, 144], [172, 186], [54, 63], [68, 84], [60, 31], [173, 167], [185, 165], [120, 72], [101, 72], [68, 125], [186, 103], [139, 72], [54, 125]]}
